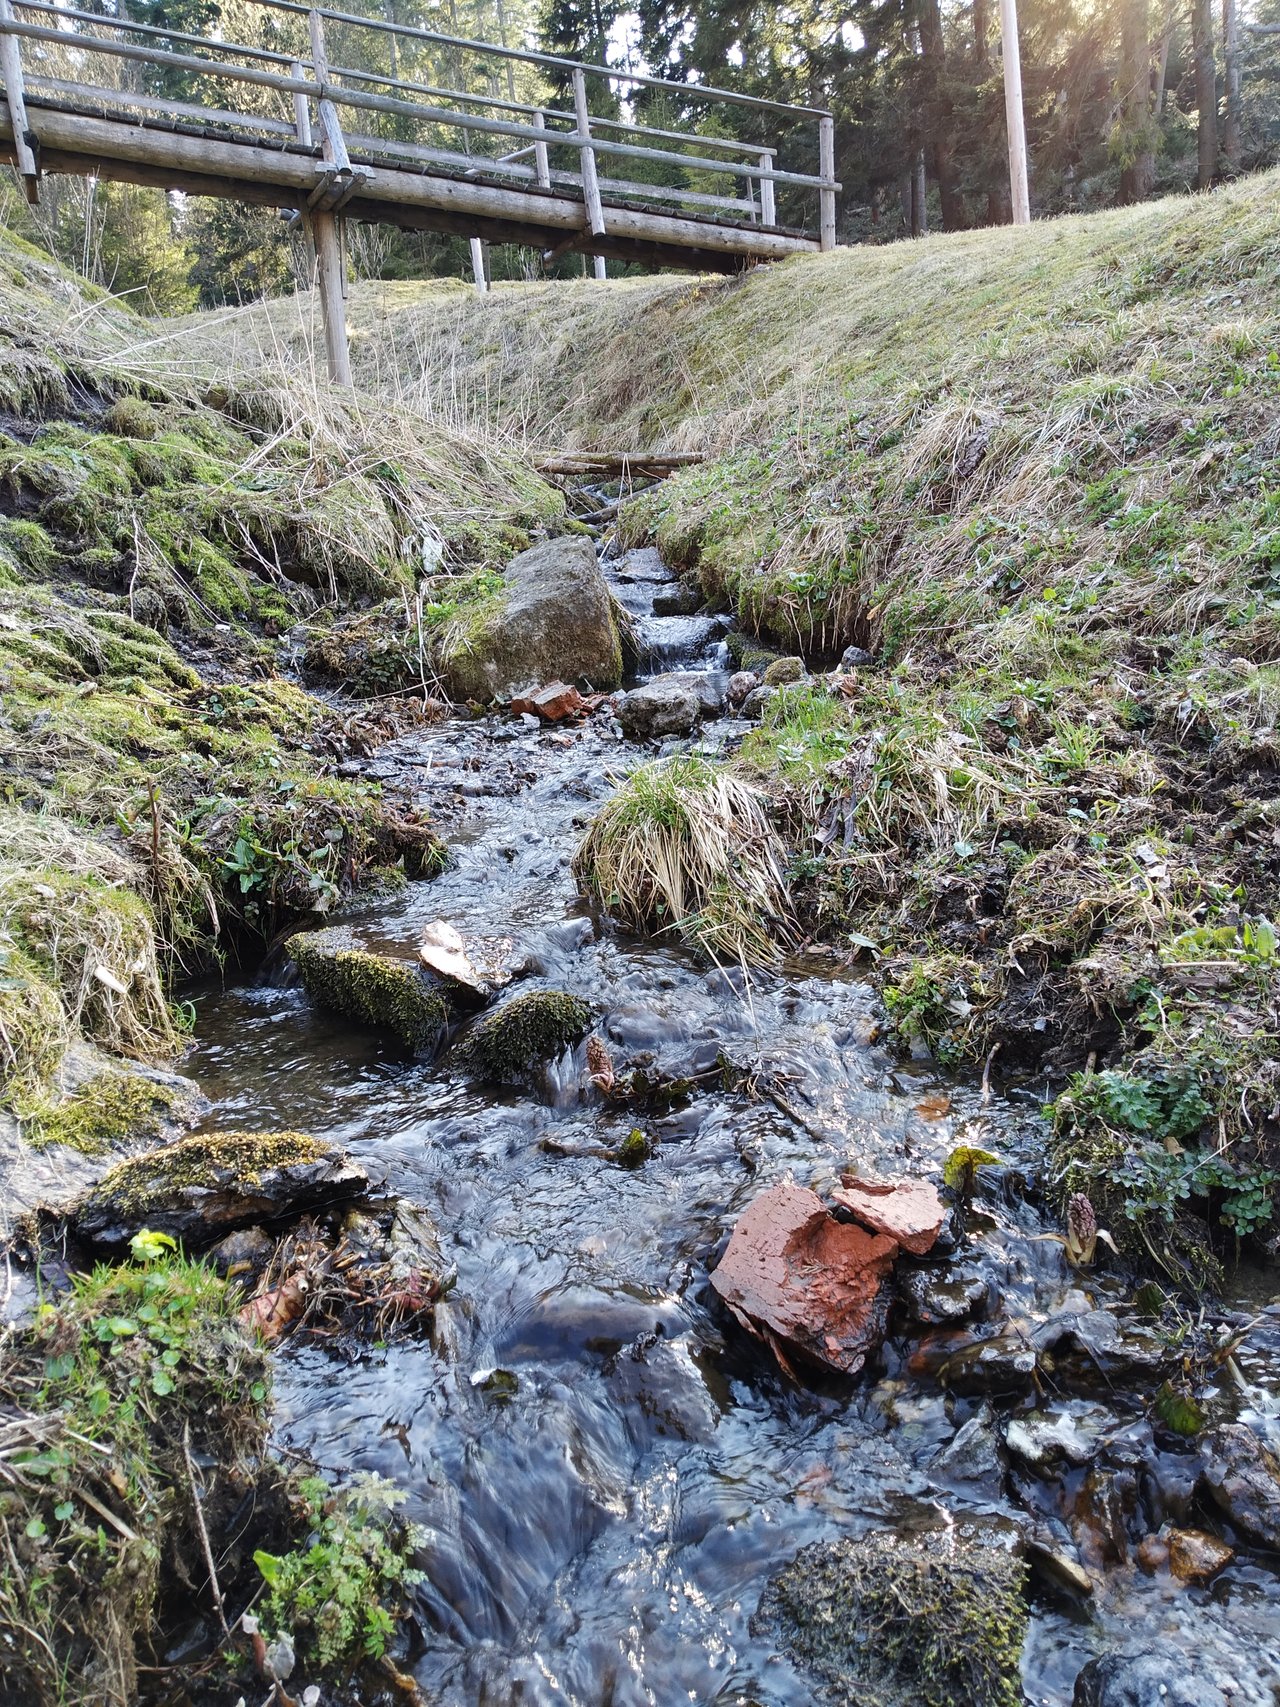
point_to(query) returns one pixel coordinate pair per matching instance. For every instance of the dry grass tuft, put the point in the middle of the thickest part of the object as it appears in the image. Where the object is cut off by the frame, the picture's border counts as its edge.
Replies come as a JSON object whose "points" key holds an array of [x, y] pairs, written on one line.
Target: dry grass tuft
{"points": [[687, 847]]}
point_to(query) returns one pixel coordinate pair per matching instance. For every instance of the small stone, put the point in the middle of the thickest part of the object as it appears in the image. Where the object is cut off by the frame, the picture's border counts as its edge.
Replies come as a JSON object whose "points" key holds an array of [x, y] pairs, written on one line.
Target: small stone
{"points": [[973, 1454], [741, 683], [855, 658], [1004, 1363], [1195, 1556], [553, 703], [910, 1213], [753, 705], [1057, 1561], [1067, 1436]]}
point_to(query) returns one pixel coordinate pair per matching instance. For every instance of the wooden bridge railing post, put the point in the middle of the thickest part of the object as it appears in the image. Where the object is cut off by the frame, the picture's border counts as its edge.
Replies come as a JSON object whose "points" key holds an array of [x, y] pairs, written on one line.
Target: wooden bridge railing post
{"points": [[540, 160], [11, 66], [768, 214], [477, 265], [590, 178], [330, 269], [827, 172]]}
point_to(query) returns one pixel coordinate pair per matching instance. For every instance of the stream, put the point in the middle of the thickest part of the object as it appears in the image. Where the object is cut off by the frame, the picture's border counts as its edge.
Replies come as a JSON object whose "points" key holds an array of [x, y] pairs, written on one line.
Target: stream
{"points": [[604, 1514]]}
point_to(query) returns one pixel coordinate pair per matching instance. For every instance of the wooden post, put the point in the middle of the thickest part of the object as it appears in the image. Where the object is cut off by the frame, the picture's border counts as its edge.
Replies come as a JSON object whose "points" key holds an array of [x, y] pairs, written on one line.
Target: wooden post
{"points": [[826, 171], [324, 225], [600, 271], [302, 125], [590, 182], [11, 66], [1011, 54], [477, 265], [540, 161], [301, 111], [768, 215]]}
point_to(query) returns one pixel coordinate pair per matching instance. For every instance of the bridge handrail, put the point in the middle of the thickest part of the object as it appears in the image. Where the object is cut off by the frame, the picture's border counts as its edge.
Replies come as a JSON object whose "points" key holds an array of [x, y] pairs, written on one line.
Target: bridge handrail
{"points": [[339, 95], [269, 55], [700, 91]]}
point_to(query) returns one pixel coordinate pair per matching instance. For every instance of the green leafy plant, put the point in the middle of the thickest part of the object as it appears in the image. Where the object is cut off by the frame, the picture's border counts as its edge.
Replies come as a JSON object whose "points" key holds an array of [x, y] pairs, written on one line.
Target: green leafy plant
{"points": [[337, 1597]]}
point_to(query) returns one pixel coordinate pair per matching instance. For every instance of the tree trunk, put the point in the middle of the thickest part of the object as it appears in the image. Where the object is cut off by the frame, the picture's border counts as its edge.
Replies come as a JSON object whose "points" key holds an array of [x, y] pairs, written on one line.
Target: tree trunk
{"points": [[1139, 168], [982, 33], [1202, 34], [1231, 146], [938, 115]]}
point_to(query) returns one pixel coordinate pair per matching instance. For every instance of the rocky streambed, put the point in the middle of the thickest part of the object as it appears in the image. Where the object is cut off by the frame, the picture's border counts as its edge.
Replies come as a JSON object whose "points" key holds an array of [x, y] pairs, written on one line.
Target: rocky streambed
{"points": [[611, 1474]]}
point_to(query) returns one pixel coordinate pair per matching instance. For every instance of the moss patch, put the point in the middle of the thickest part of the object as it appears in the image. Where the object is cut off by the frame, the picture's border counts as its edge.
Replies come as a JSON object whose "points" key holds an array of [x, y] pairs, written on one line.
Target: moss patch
{"points": [[372, 989], [937, 1618], [525, 1031], [141, 1185], [109, 1111]]}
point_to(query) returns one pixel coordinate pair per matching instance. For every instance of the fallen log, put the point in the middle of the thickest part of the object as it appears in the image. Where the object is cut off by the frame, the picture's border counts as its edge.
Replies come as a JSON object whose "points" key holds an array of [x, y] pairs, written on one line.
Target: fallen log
{"points": [[655, 464]]}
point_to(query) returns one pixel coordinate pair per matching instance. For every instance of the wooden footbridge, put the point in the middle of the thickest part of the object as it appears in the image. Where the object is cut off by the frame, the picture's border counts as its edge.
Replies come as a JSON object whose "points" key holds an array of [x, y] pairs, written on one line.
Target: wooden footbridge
{"points": [[339, 116]]}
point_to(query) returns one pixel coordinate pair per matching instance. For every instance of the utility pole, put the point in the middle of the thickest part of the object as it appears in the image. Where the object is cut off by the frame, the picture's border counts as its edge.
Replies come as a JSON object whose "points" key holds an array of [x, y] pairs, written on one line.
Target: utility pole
{"points": [[1011, 56]]}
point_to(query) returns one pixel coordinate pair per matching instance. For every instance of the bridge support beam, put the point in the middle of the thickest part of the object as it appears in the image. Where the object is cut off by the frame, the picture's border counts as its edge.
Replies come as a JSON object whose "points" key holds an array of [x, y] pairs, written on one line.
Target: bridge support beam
{"points": [[324, 229]]}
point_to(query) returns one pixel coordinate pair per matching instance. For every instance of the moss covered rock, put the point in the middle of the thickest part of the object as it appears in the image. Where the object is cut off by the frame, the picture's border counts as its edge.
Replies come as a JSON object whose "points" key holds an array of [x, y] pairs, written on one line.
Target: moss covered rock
{"points": [[203, 1187], [551, 617], [535, 1027], [372, 989], [113, 1109], [783, 671], [937, 1620]]}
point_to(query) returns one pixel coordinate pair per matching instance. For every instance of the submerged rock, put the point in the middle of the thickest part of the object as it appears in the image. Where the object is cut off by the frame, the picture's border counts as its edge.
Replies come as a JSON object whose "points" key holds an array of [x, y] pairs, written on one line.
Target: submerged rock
{"points": [[204, 1187], [1145, 1679], [1195, 1556], [910, 1213], [553, 619], [532, 1028], [942, 1292], [1242, 1477], [934, 1619], [806, 1284], [372, 989]]}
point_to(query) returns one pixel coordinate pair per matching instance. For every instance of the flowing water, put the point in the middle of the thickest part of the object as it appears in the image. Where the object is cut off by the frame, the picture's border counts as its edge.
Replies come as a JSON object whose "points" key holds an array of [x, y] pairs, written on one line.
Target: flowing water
{"points": [[604, 1513]]}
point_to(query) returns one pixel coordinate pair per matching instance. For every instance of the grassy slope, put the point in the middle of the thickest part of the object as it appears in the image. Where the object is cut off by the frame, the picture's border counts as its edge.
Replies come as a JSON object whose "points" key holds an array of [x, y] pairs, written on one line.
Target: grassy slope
{"points": [[164, 790]]}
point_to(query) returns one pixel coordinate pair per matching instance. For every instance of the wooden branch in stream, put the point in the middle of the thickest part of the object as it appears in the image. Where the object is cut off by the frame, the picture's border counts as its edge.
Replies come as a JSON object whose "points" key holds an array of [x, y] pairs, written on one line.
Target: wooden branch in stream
{"points": [[653, 463]]}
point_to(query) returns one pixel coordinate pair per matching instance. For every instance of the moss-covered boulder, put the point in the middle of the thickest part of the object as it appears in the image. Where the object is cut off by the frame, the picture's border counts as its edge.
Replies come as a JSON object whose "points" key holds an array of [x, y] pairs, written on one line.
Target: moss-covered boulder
{"points": [[551, 619], [937, 1619], [536, 1027], [782, 672], [203, 1187], [376, 990]]}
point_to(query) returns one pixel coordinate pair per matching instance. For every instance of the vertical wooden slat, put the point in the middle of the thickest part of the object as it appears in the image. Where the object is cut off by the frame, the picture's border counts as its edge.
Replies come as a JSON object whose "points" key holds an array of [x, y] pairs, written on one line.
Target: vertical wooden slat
{"points": [[11, 67], [477, 265], [540, 160], [301, 110], [827, 171], [601, 272], [768, 215], [590, 180]]}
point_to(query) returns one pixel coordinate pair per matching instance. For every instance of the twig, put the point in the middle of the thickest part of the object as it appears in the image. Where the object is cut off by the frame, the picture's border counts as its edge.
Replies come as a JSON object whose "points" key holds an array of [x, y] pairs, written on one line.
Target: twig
{"points": [[204, 1533]]}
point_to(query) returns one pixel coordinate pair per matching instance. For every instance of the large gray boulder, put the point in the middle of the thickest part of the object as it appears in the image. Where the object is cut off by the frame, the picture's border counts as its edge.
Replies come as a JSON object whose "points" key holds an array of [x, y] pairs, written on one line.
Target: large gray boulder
{"points": [[553, 621]]}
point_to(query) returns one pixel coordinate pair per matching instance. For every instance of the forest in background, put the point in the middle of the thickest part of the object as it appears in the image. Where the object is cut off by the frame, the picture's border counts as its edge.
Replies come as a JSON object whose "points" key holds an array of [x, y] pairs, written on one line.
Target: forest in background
{"points": [[1124, 99]]}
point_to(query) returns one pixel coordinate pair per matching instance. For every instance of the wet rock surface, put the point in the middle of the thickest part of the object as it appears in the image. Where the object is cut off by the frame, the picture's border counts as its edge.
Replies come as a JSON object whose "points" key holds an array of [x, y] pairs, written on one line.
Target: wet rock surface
{"points": [[910, 1213], [1142, 1680], [1241, 1476], [201, 1188], [808, 1286], [378, 990], [936, 1618]]}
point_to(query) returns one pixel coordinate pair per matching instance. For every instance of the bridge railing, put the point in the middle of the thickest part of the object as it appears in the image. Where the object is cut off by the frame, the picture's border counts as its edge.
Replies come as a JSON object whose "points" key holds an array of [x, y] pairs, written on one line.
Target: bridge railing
{"points": [[362, 89]]}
